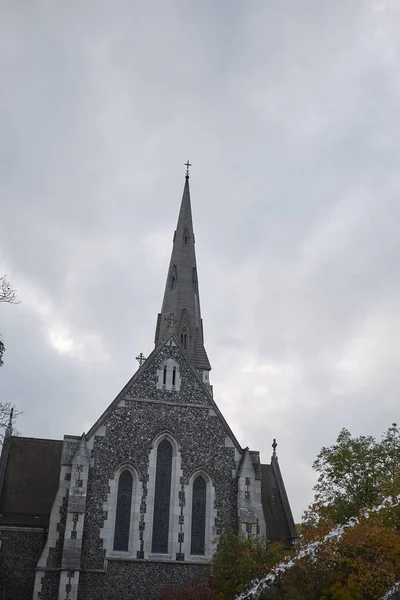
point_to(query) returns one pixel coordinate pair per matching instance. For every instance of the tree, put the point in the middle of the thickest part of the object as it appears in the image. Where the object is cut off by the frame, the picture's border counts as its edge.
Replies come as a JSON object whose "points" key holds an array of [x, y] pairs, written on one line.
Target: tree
{"points": [[355, 473], [240, 559], [361, 564], [350, 536], [8, 294]]}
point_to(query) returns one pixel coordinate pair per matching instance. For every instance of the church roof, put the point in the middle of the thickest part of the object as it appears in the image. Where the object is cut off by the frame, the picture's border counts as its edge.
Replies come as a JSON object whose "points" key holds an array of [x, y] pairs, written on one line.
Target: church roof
{"points": [[181, 295], [31, 479], [277, 513]]}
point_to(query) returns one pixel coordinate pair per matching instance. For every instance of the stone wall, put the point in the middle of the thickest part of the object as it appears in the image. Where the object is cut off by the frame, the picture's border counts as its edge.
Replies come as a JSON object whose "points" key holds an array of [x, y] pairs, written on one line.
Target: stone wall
{"points": [[126, 436], [50, 585], [19, 553], [137, 580]]}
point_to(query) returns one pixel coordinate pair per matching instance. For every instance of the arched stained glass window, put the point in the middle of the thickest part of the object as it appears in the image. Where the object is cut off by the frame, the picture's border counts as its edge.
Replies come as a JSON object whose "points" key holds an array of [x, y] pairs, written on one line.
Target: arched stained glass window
{"points": [[162, 498], [123, 513], [198, 536]]}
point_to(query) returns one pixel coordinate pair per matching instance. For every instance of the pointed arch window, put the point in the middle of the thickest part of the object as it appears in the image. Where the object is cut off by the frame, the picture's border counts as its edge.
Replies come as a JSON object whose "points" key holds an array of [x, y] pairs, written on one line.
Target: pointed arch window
{"points": [[184, 337], [123, 512], [199, 500], [162, 498]]}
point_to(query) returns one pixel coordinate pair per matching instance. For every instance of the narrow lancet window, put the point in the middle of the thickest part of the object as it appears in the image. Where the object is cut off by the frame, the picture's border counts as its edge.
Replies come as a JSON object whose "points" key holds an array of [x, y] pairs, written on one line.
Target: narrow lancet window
{"points": [[184, 338], [173, 375], [173, 278], [194, 279], [198, 536], [162, 498], [123, 512], [165, 375]]}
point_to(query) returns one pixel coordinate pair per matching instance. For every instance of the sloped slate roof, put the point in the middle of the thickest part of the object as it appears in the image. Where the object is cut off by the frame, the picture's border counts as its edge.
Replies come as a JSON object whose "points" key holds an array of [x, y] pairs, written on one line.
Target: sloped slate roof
{"points": [[199, 354], [277, 514], [31, 481]]}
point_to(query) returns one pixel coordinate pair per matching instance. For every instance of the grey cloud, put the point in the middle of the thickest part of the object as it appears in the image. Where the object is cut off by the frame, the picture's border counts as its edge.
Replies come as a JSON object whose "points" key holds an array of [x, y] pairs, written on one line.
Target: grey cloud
{"points": [[289, 116]]}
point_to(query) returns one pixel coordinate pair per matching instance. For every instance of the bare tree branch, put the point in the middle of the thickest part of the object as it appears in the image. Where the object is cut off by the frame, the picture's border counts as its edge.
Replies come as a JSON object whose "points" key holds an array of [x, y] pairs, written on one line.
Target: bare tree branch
{"points": [[8, 293], [5, 414]]}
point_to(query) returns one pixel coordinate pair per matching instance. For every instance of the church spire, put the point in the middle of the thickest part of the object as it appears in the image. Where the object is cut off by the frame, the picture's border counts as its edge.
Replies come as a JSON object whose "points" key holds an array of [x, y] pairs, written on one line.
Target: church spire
{"points": [[181, 296]]}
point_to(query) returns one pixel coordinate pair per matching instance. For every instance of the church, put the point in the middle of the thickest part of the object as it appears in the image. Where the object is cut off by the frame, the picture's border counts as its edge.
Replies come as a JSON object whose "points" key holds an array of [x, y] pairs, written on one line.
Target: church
{"points": [[136, 505]]}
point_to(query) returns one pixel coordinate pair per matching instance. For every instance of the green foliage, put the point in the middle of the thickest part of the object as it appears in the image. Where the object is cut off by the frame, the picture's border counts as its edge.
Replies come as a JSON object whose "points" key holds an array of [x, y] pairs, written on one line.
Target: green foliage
{"points": [[355, 473], [238, 560]]}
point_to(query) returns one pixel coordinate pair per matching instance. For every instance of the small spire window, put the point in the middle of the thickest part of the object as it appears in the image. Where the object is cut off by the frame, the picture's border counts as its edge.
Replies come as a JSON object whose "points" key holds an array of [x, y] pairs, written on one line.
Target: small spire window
{"points": [[174, 277], [184, 337], [194, 279]]}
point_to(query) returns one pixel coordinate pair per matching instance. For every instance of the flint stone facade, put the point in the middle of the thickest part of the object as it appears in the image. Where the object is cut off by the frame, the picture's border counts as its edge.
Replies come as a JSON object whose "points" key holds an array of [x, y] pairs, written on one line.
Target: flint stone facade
{"points": [[61, 545]]}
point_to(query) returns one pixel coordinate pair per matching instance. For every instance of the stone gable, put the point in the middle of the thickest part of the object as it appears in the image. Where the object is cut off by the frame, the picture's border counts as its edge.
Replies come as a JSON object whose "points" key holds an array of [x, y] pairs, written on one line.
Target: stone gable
{"points": [[191, 390], [130, 431]]}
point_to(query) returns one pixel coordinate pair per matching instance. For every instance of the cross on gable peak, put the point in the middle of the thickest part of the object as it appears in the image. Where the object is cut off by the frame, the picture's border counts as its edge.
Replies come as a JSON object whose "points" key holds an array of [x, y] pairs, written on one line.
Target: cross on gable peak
{"points": [[141, 358]]}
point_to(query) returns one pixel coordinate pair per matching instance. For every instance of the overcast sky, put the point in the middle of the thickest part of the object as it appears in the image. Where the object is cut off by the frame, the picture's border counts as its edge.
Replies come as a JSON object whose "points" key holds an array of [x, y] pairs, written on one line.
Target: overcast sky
{"points": [[289, 113]]}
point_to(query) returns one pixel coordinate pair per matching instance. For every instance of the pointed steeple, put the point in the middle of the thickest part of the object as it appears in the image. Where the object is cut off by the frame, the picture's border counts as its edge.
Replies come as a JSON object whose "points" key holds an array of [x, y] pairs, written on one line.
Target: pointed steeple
{"points": [[181, 296]]}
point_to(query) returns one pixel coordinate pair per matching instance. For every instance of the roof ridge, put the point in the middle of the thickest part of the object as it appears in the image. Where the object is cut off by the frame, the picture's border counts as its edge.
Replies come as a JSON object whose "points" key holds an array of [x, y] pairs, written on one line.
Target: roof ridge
{"points": [[35, 439]]}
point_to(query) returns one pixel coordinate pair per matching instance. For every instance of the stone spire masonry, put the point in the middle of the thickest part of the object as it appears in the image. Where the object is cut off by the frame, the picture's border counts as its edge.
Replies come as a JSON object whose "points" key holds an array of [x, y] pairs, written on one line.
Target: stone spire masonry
{"points": [[181, 296]]}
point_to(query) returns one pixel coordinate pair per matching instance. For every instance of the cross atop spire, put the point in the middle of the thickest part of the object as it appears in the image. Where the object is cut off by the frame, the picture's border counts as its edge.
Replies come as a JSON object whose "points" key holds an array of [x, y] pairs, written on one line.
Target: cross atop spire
{"points": [[187, 165]]}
